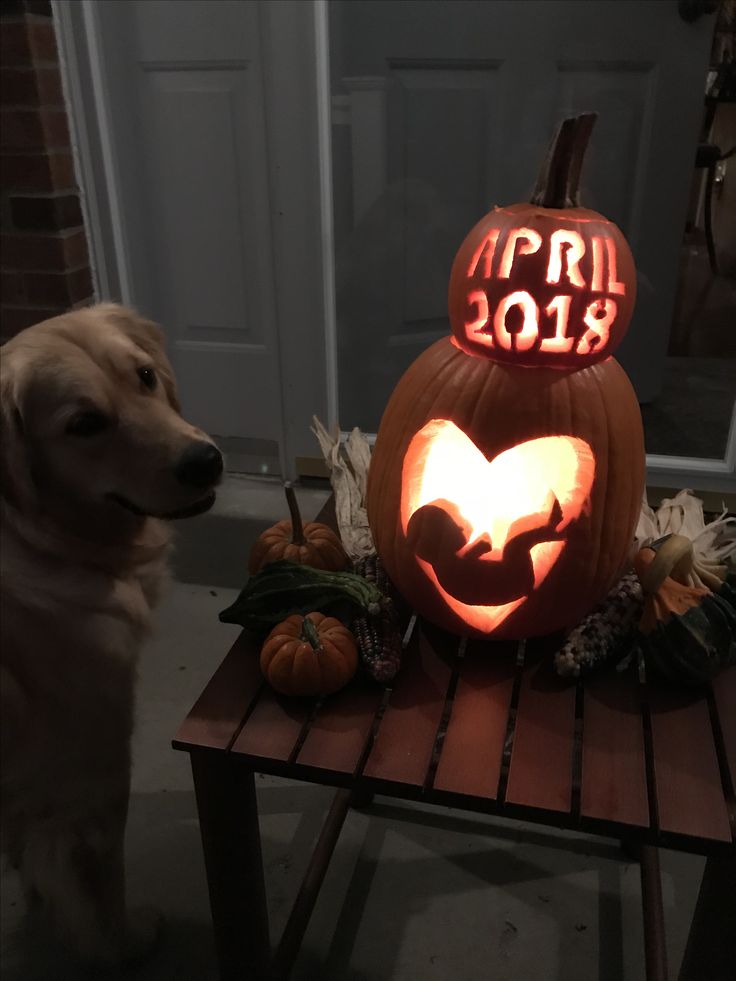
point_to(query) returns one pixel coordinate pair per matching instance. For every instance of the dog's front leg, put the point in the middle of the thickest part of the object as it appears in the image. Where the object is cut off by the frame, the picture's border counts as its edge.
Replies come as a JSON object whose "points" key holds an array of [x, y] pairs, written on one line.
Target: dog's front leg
{"points": [[78, 869]]}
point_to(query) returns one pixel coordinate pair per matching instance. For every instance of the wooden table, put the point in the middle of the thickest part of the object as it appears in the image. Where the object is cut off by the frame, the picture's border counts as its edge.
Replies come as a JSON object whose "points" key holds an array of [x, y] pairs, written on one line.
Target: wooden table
{"points": [[485, 727]]}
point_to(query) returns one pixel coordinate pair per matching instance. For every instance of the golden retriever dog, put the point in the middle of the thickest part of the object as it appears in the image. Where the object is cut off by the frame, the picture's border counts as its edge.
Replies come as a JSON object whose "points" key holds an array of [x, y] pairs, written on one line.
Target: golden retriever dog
{"points": [[95, 457]]}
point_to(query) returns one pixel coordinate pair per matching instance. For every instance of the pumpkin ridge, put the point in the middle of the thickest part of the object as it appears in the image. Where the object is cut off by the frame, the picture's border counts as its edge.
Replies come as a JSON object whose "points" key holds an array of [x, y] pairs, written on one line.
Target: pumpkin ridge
{"points": [[602, 466]]}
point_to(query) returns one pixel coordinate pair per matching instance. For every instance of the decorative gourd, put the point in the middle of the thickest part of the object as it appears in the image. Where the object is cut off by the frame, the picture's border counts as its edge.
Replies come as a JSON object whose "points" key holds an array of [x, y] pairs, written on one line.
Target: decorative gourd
{"points": [[547, 282], [503, 498], [309, 655], [311, 544], [687, 632], [286, 587]]}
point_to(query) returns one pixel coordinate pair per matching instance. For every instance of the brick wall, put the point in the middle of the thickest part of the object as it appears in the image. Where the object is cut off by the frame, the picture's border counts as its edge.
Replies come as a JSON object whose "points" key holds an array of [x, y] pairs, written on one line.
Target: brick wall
{"points": [[43, 249]]}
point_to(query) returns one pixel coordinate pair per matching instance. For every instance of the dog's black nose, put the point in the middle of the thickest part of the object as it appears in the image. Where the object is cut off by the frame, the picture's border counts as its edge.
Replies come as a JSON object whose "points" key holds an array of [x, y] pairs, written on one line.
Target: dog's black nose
{"points": [[200, 465]]}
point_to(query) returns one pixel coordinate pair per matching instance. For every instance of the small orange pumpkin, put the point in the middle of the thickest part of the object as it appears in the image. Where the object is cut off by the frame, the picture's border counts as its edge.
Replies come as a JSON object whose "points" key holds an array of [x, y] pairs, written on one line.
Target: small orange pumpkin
{"points": [[309, 655], [311, 544]]}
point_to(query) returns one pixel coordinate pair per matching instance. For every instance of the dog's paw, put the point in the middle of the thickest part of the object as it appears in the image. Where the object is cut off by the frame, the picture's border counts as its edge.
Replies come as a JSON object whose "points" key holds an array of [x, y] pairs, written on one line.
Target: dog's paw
{"points": [[143, 932]]}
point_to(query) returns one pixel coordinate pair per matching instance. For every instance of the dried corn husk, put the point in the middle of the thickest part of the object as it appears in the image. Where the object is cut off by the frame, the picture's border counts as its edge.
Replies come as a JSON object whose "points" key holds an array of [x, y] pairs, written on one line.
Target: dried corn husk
{"points": [[348, 464], [714, 544]]}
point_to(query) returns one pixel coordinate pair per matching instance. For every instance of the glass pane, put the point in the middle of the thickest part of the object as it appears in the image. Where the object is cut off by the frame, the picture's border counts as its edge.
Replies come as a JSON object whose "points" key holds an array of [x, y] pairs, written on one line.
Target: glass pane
{"points": [[442, 109]]}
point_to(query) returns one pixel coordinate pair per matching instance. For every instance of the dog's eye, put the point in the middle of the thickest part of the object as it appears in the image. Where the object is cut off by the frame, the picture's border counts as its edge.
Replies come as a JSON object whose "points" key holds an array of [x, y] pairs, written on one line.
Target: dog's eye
{"points": [[148, 377], [87, 424]]}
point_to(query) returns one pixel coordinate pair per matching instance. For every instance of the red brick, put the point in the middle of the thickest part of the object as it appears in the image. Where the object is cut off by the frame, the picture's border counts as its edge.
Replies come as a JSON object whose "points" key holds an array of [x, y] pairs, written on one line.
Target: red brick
{"points": [[47, 212], [21, 129], [29, 129], [42, 39], [12, 289], [50, 91], [37, 172], [47, 289], [80, 284], [15, 47], [19, 87], [44, 253], [76, 252], [13, 319]]}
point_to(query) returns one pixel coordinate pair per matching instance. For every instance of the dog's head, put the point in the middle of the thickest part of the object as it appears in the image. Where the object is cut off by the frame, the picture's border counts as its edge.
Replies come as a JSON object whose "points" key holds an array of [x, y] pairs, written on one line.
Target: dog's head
{"points": [[90, 419]]}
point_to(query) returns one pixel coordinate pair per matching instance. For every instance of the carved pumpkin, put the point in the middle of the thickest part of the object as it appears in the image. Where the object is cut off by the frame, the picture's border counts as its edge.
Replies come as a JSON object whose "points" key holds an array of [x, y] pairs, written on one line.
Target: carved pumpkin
{"points": [[548, 282], [311, 544], [503, 498], [309, 655]]}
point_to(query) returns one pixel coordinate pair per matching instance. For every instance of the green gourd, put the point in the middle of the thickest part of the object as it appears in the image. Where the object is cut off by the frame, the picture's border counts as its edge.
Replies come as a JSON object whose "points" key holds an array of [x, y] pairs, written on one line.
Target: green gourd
{"points": [[687, 631], [283, 588]]}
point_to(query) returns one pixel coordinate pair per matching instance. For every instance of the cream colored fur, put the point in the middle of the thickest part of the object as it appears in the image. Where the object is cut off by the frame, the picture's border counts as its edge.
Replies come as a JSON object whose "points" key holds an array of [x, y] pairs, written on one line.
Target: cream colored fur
{"points": [[81, 575]]}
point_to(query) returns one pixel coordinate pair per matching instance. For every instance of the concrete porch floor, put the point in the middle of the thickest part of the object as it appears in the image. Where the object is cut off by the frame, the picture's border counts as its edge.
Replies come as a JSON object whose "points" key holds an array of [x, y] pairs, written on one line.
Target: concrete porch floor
{"points": [[413, 893]]}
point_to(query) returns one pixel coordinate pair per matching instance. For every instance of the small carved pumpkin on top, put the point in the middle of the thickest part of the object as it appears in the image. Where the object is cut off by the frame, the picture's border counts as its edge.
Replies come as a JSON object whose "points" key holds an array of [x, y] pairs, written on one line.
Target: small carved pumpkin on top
{"points": [[312, 544], [545, 283], [309, 655]]}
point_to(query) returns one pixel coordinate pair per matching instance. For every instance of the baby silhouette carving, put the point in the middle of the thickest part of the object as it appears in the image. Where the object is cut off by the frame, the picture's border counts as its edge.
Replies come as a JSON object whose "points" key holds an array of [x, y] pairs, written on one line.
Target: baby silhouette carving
{"points": [[466, 571]]}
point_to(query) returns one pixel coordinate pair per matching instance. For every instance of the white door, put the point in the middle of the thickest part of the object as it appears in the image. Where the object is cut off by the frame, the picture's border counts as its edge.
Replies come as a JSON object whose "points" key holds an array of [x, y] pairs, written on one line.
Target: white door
{"points": [[232, 131], [442, 109], [185, 110]]}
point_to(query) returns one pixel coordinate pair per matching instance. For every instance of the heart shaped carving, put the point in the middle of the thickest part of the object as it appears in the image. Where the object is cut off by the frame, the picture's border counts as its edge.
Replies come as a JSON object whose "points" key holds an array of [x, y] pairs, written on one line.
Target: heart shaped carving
{"points": [[488, 532]]}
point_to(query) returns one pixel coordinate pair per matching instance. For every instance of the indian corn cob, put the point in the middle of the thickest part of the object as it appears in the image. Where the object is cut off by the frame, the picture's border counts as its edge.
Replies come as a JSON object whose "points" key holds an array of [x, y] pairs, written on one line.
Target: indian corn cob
{"points": [[605, 632], [377, 634]]}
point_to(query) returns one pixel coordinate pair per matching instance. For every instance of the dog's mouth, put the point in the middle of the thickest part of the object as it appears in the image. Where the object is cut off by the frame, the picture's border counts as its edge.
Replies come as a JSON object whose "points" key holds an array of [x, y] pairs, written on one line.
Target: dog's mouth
{"points": [[198, 507]]}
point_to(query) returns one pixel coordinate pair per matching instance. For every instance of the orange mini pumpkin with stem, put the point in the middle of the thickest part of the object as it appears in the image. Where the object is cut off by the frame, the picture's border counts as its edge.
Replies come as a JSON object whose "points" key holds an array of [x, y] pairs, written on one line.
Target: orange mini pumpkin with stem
{"points": [[309, 655], [312, 544]]}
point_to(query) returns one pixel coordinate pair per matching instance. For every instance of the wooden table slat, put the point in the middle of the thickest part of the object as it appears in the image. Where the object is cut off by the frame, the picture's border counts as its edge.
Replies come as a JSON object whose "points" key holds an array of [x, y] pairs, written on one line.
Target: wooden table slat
{"points": [[472, 751], [217, 714], [273, 727], [724, 692], [614, 774], [339, 734], [690, 797], [402, 750], [540, 773]]}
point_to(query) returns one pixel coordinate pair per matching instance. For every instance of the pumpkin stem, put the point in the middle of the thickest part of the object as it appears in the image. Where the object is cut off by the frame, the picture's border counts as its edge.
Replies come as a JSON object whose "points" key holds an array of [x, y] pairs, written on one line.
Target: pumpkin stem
{"points": [[311, 634], [297, 528], [559, 177]]}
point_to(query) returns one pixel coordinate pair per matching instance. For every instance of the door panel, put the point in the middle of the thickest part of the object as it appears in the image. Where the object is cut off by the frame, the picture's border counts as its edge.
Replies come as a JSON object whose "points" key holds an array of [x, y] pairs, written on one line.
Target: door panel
{"points": [[193, 179]]}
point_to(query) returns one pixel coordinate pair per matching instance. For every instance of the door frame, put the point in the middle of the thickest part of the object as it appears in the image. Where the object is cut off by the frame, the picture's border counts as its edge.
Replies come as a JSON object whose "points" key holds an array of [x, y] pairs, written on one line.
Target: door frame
{"points": [[303, 32]]}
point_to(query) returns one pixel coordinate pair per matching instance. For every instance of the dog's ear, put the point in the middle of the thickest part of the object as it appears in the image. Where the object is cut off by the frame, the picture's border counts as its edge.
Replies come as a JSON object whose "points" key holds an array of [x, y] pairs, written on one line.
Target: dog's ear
{"points": [[16, 482], [149, 338]]}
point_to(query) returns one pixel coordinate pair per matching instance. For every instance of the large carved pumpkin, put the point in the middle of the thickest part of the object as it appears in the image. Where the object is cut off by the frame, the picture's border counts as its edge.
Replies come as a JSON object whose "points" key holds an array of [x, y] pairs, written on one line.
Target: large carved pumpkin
{"points": [[502, 497]]}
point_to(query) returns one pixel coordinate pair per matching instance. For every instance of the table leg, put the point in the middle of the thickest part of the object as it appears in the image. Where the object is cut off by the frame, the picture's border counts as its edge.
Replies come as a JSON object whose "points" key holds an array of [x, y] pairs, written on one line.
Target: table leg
{"points": [[655, 950], [710, 954], [228, 820]]}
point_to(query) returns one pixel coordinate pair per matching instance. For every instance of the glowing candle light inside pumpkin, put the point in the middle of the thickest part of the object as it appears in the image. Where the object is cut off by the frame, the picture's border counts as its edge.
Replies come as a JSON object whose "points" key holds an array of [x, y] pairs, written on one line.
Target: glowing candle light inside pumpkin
{"points": [[529, 242], [566, 241], [560, 307], [527, 336], [485, 251], [509, 499]]}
